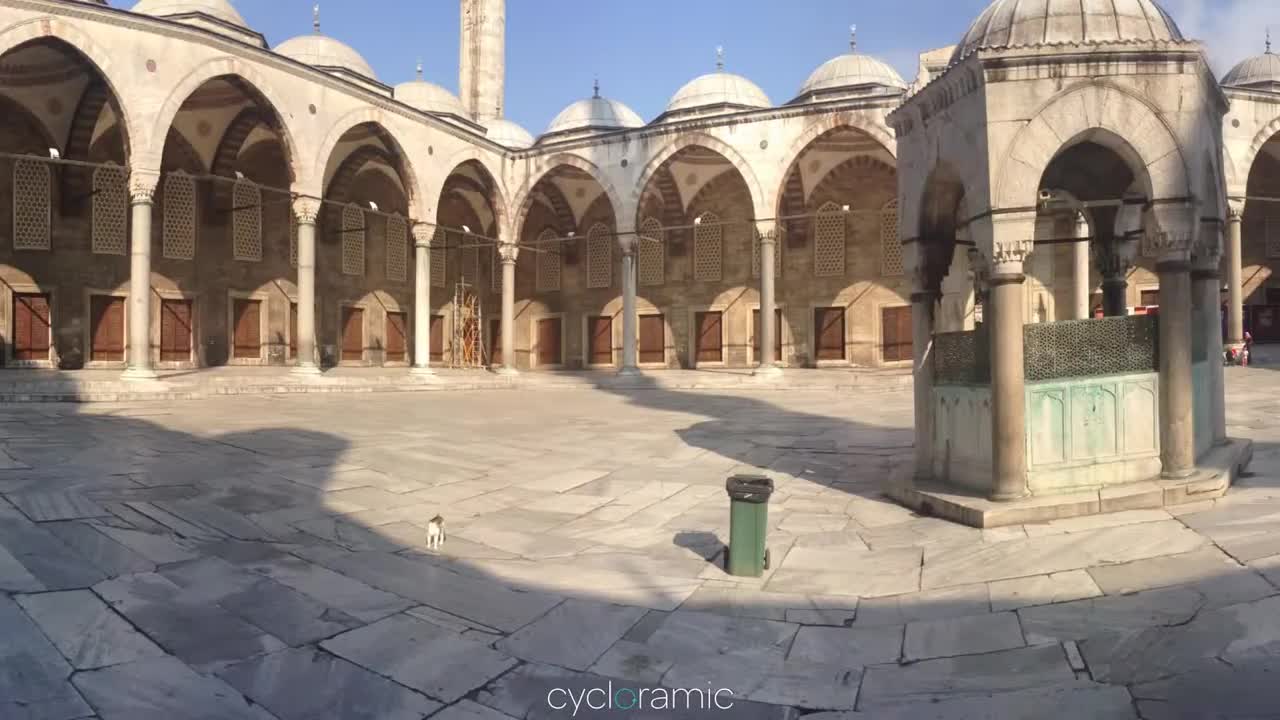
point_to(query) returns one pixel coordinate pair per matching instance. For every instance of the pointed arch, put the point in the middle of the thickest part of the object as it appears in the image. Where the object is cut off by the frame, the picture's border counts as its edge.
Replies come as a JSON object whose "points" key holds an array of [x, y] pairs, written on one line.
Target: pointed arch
{"points": [[314, 179], [759, 203], [550, 165]]}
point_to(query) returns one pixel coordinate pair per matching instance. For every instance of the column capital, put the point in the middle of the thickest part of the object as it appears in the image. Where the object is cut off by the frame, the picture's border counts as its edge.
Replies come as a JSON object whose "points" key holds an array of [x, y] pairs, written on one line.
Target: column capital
{"points": [[142, 185], [628, 244], [1006, 238], [423, 234], [767, 231], [1171, 231], [306, 209], [508, 252], [1235, 209], [1115, 259]]}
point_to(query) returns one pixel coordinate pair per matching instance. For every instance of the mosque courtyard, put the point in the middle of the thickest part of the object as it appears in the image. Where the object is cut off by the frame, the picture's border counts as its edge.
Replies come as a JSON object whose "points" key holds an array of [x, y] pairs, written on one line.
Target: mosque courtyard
{"points": [[265, 557]]}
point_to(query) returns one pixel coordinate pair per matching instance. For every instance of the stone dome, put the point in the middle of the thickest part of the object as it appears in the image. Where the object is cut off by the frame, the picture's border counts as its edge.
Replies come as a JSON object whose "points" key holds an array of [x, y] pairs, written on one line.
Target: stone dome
{"points": [[429, 97], [326, 53], [1259, 71], [508, 134], [220, 9], [718, 89], [213, 15], [594, 113], [1015, 23], [851, 70]]}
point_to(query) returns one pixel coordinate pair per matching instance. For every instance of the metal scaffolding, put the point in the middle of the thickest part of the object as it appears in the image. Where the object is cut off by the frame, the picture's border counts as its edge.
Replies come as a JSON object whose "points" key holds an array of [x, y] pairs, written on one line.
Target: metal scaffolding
{"points": [[468, 335]]}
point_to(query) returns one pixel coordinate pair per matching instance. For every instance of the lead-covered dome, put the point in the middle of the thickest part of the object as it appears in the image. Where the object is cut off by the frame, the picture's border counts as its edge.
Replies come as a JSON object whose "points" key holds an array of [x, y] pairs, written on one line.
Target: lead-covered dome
{"points": [[851, 73], [429, 97], [1258, 72], [594, 114], [508, 134], [326, 53], [1017, 23], [216, 15], [718, 89]]}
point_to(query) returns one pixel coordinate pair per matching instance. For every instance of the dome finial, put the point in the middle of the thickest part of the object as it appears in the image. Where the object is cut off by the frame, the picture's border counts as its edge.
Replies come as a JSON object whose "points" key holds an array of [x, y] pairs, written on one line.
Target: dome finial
{"points": [[719, 58], [419, 68], [595, 87], [315, 18], [1268, 39], [853, 38]]}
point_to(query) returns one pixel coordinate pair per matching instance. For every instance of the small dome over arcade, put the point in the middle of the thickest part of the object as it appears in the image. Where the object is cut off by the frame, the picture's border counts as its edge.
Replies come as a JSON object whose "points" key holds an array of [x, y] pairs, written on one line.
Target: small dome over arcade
{"points": [[325, 53], [1014, 23], [594, 114], [850, 74], [1260, 72], [508, 134], [429, 97], [716, 93], [216, 15]]}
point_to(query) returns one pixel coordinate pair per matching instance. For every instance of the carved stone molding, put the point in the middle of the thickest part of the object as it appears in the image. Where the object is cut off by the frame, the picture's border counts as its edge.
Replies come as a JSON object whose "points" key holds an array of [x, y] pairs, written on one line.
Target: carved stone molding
{"points": [[508, 252], [423, 234], [306, 210], [142, 185], [1115, 259], [628, 244], [1235, 209], [767, 231]]}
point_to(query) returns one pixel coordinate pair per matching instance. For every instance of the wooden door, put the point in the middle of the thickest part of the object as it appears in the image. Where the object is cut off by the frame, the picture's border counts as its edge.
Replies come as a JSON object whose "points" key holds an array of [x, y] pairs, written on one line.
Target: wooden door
{"points": [[175, 330], [895, 331], [293, 329], [106, 324], [495, 341], [777, 333], [1149, 298], [653, 339], [710, 337], [247, 333], [437, 338], [549, 342], [396, 337], [600, 340], [352, 333], [828, 326], [31, 331]]}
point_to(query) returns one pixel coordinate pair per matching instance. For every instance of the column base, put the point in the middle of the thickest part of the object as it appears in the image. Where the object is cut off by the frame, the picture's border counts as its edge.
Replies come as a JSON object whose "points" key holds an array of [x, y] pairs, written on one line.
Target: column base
{"points": [[507, 371], [307, 369], [426, 371], [1177, 474], [134, 374], [1008, 497], [767, 372], [629, 372]]}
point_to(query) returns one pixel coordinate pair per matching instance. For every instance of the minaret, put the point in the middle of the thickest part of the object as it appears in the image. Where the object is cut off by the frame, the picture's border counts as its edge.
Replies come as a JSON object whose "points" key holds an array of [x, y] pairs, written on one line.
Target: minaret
{"points": [[482, 65]]}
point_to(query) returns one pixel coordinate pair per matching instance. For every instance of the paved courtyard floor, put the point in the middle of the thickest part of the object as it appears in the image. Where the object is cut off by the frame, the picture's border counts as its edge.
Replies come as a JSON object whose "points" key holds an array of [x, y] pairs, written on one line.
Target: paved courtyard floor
{"points": [[265, 557]]}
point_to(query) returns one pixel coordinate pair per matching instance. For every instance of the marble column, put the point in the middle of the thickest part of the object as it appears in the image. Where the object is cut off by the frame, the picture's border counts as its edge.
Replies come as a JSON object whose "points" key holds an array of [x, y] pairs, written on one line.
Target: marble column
{"points": [[768, 233], [1235, 274], [306, 210], [142, 188], [924, 304], [422, 235], [628, 245], [1080, 263], [1171, 239], [1206, 282], [1012, 240], [507, 253]]}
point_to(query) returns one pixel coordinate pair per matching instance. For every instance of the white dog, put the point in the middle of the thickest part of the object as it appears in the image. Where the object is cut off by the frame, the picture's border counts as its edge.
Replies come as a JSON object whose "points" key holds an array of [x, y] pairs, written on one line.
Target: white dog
{"points": [[435, 533]]}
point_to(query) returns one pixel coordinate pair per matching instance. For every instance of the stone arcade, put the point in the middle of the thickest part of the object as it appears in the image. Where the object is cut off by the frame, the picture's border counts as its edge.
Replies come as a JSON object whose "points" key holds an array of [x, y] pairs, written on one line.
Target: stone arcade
{"points": [[184, 196]]}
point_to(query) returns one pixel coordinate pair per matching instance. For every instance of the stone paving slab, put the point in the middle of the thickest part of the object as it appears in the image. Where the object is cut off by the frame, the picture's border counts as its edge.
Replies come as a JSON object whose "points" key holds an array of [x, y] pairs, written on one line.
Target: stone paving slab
{"points": [[574, 634], [305, 683], [163, 689], [441, 664], [1039, 667], [87, 632], [34, 678], [961, 636], [1069, 702]]}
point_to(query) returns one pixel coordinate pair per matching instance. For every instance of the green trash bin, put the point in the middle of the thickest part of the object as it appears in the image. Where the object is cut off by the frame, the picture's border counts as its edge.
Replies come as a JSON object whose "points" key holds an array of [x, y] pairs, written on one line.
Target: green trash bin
{"points": [[747, 555]]}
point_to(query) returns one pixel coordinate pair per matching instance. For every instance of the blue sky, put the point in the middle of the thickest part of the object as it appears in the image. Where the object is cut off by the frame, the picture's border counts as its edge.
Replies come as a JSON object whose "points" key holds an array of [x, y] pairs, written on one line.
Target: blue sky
{"points": [[644, 50]]}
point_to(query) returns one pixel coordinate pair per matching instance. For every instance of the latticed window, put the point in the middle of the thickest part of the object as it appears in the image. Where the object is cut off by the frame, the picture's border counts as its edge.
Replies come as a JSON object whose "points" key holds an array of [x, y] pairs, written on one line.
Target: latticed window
{"points": [[1273, 237], [599, 257], [397, 248], [471, 266], [495, 269], [829, 233], [548, 268], [890, 242], [246, 222], [708, 248], [293, 240], [439, 251], [756, 246], [110, 210], [31, 205], [651, 253], [353, 233], [179, 232]]}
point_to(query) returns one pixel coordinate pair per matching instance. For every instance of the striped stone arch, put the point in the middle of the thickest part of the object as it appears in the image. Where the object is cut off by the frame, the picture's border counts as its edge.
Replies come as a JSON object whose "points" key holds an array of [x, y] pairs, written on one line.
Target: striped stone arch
{"points": [[498, 199], [311, 182], [759, 201], [525, 196], [1099, 112]]}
